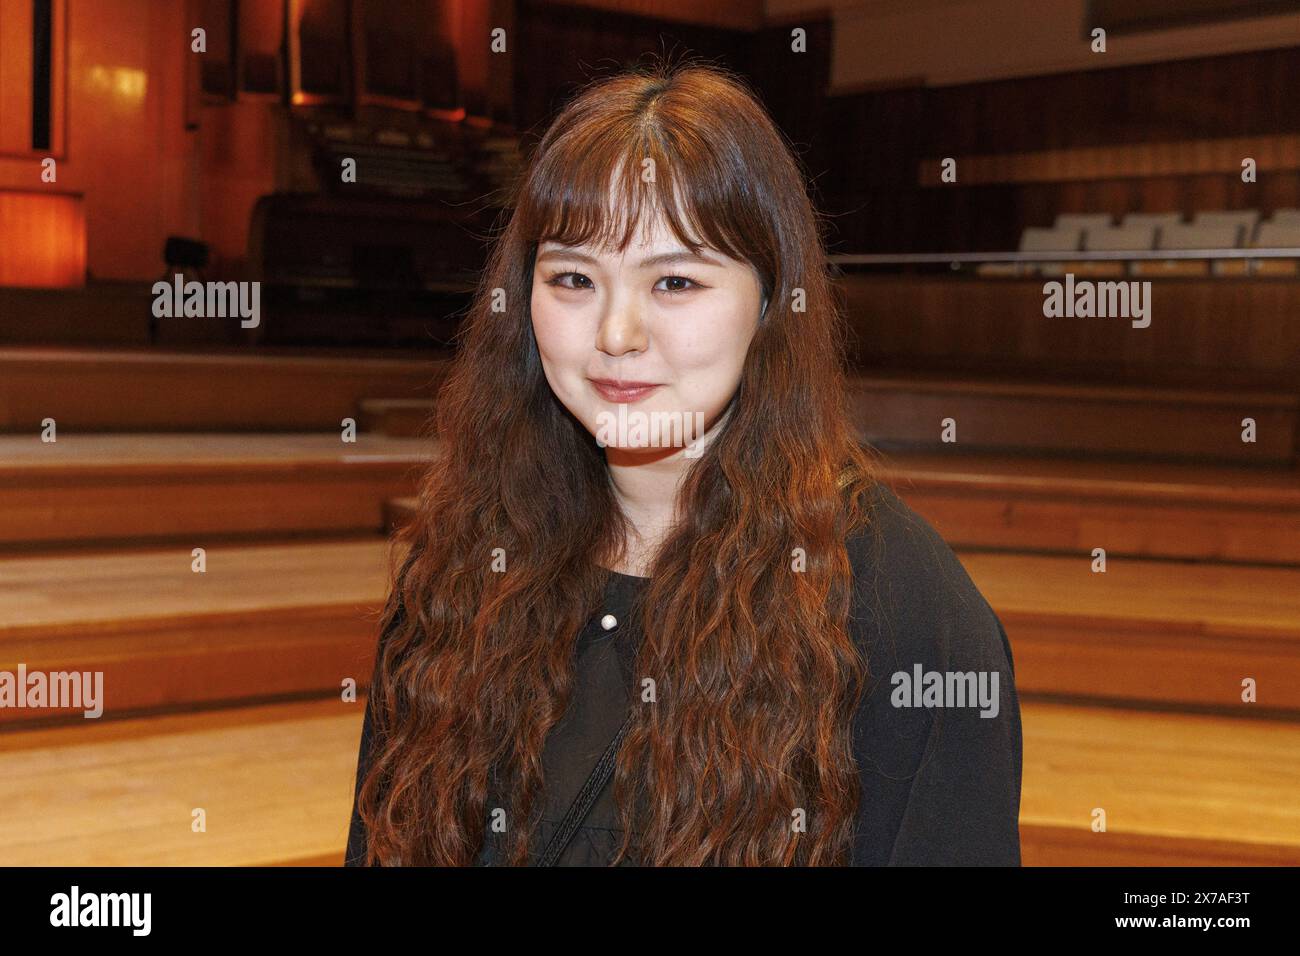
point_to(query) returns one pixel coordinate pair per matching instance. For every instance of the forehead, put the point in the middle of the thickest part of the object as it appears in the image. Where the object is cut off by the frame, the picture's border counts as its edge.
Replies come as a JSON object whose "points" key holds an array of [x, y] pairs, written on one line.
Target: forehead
{"points": [[652, 229], [627, 216], [654, 244]]}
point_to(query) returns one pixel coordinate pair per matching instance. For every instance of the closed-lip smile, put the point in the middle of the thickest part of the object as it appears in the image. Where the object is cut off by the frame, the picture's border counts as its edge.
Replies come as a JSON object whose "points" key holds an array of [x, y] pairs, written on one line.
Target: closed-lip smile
{"points": [[616, 390]]}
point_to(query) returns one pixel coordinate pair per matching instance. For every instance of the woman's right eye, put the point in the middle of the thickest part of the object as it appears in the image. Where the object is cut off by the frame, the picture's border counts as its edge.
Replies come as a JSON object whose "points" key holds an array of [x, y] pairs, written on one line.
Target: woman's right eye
{"points": [[558, 280]]}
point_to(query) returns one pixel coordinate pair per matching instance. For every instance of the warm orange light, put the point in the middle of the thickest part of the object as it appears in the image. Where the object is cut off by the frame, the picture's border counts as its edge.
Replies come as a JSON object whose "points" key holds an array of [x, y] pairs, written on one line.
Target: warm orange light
{"points": [[42, 239], [123, 82]]}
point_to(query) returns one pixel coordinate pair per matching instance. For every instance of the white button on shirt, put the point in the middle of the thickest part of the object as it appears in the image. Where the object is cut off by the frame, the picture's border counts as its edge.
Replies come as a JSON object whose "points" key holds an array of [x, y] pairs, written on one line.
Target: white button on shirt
{"points": [[609, 622]]}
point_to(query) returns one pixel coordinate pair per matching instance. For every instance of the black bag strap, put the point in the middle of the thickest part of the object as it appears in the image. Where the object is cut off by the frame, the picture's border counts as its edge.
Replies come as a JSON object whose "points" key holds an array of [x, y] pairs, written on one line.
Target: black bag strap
{"points": [[582, 803]]}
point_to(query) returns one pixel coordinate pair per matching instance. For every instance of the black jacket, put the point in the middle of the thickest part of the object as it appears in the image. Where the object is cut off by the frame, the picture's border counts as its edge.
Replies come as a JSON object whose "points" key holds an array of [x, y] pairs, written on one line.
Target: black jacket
{"points": [[940, 784]]}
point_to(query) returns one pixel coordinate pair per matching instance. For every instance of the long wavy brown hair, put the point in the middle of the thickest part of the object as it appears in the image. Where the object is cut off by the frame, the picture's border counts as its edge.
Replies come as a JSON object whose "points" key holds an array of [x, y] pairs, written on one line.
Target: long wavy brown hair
{"points": [[755, 673]]}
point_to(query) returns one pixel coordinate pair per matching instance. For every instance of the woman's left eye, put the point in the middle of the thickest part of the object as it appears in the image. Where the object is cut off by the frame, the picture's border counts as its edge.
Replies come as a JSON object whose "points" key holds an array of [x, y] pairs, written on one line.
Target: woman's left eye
{"points": [[677, 284]]}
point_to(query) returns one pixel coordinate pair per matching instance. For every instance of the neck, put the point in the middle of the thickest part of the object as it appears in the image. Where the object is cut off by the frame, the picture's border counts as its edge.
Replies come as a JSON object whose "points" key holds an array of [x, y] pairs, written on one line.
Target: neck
{"points": [[646, 485]]}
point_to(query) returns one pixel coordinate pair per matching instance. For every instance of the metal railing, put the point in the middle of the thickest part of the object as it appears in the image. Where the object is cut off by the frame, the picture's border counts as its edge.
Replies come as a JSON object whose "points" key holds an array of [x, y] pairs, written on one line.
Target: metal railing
{"points": [[961, 258]]}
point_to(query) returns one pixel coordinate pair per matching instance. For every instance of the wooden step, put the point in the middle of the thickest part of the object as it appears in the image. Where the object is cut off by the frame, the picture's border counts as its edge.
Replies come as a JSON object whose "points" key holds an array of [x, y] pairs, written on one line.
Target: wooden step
{"points": [[1137, 509], [261, 621], [399, 417], [100, 314], [1147, 631], [1065, 506], [907, 410], [1177, 789], [145, 390], [335, 312], [276, 783], [1217, 332], [399, 511], [175, 487], [1144, 631]]}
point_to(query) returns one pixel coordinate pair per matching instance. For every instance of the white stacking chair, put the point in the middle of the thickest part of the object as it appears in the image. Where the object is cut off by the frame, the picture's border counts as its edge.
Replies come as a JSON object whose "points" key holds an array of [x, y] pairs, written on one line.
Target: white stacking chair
{"points": [[1278, 235], [1247, 219], [1083, 220], [1054, 239], [1224, 235], [1155, 220], [1125, 238]]}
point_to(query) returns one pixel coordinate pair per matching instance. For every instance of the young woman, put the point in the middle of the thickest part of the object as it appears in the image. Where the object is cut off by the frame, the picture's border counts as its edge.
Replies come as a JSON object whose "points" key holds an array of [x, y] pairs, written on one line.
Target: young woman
{"points": [[774, 660]]}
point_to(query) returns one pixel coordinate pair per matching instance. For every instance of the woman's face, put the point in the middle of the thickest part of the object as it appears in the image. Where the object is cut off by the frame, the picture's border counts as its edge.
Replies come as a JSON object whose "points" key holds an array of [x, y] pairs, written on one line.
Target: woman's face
{"points": [[656, 316]]}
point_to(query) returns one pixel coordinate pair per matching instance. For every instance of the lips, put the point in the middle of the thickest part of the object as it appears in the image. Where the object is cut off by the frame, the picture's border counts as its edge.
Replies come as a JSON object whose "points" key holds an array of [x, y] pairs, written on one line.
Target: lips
{"points": [[613, 390]]}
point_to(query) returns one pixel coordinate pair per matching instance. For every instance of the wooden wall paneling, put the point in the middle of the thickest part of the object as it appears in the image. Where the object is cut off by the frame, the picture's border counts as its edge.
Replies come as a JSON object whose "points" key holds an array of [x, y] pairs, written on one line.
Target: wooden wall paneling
{"points": [[1123, 17], [1151, 137], [259, 54], [320, 51], [1210, 332], [562, 47], [793, 88], [217, 65], [1167, 158]]}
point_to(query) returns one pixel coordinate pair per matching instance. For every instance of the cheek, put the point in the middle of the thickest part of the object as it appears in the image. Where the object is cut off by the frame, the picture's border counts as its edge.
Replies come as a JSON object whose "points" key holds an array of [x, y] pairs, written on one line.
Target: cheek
{"points": [[543, 323], [556, 338], [563, 350], [715, 342]]}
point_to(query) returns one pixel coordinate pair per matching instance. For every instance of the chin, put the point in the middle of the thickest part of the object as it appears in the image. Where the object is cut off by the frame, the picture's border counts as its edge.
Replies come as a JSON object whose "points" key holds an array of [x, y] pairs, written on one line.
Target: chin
{"points": [[655, 442]]}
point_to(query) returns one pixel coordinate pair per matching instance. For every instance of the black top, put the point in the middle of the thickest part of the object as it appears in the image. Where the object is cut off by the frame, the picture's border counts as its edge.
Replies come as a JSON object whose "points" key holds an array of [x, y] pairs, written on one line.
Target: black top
{"points": [[940, 784]]}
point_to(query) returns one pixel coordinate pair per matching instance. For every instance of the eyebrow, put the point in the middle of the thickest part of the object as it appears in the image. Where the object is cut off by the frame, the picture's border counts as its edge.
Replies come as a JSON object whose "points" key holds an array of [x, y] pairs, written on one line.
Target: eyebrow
{"points": [[662, 259]]}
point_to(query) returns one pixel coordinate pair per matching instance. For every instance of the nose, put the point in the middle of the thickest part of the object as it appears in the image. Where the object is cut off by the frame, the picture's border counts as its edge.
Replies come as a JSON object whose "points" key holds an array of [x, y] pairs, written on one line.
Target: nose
{"points": [[621, 328]]}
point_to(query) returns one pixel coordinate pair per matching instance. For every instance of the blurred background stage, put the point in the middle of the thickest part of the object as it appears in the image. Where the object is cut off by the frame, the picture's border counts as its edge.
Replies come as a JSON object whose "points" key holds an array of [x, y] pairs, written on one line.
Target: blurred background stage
{"points": [[1074, 433]]}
